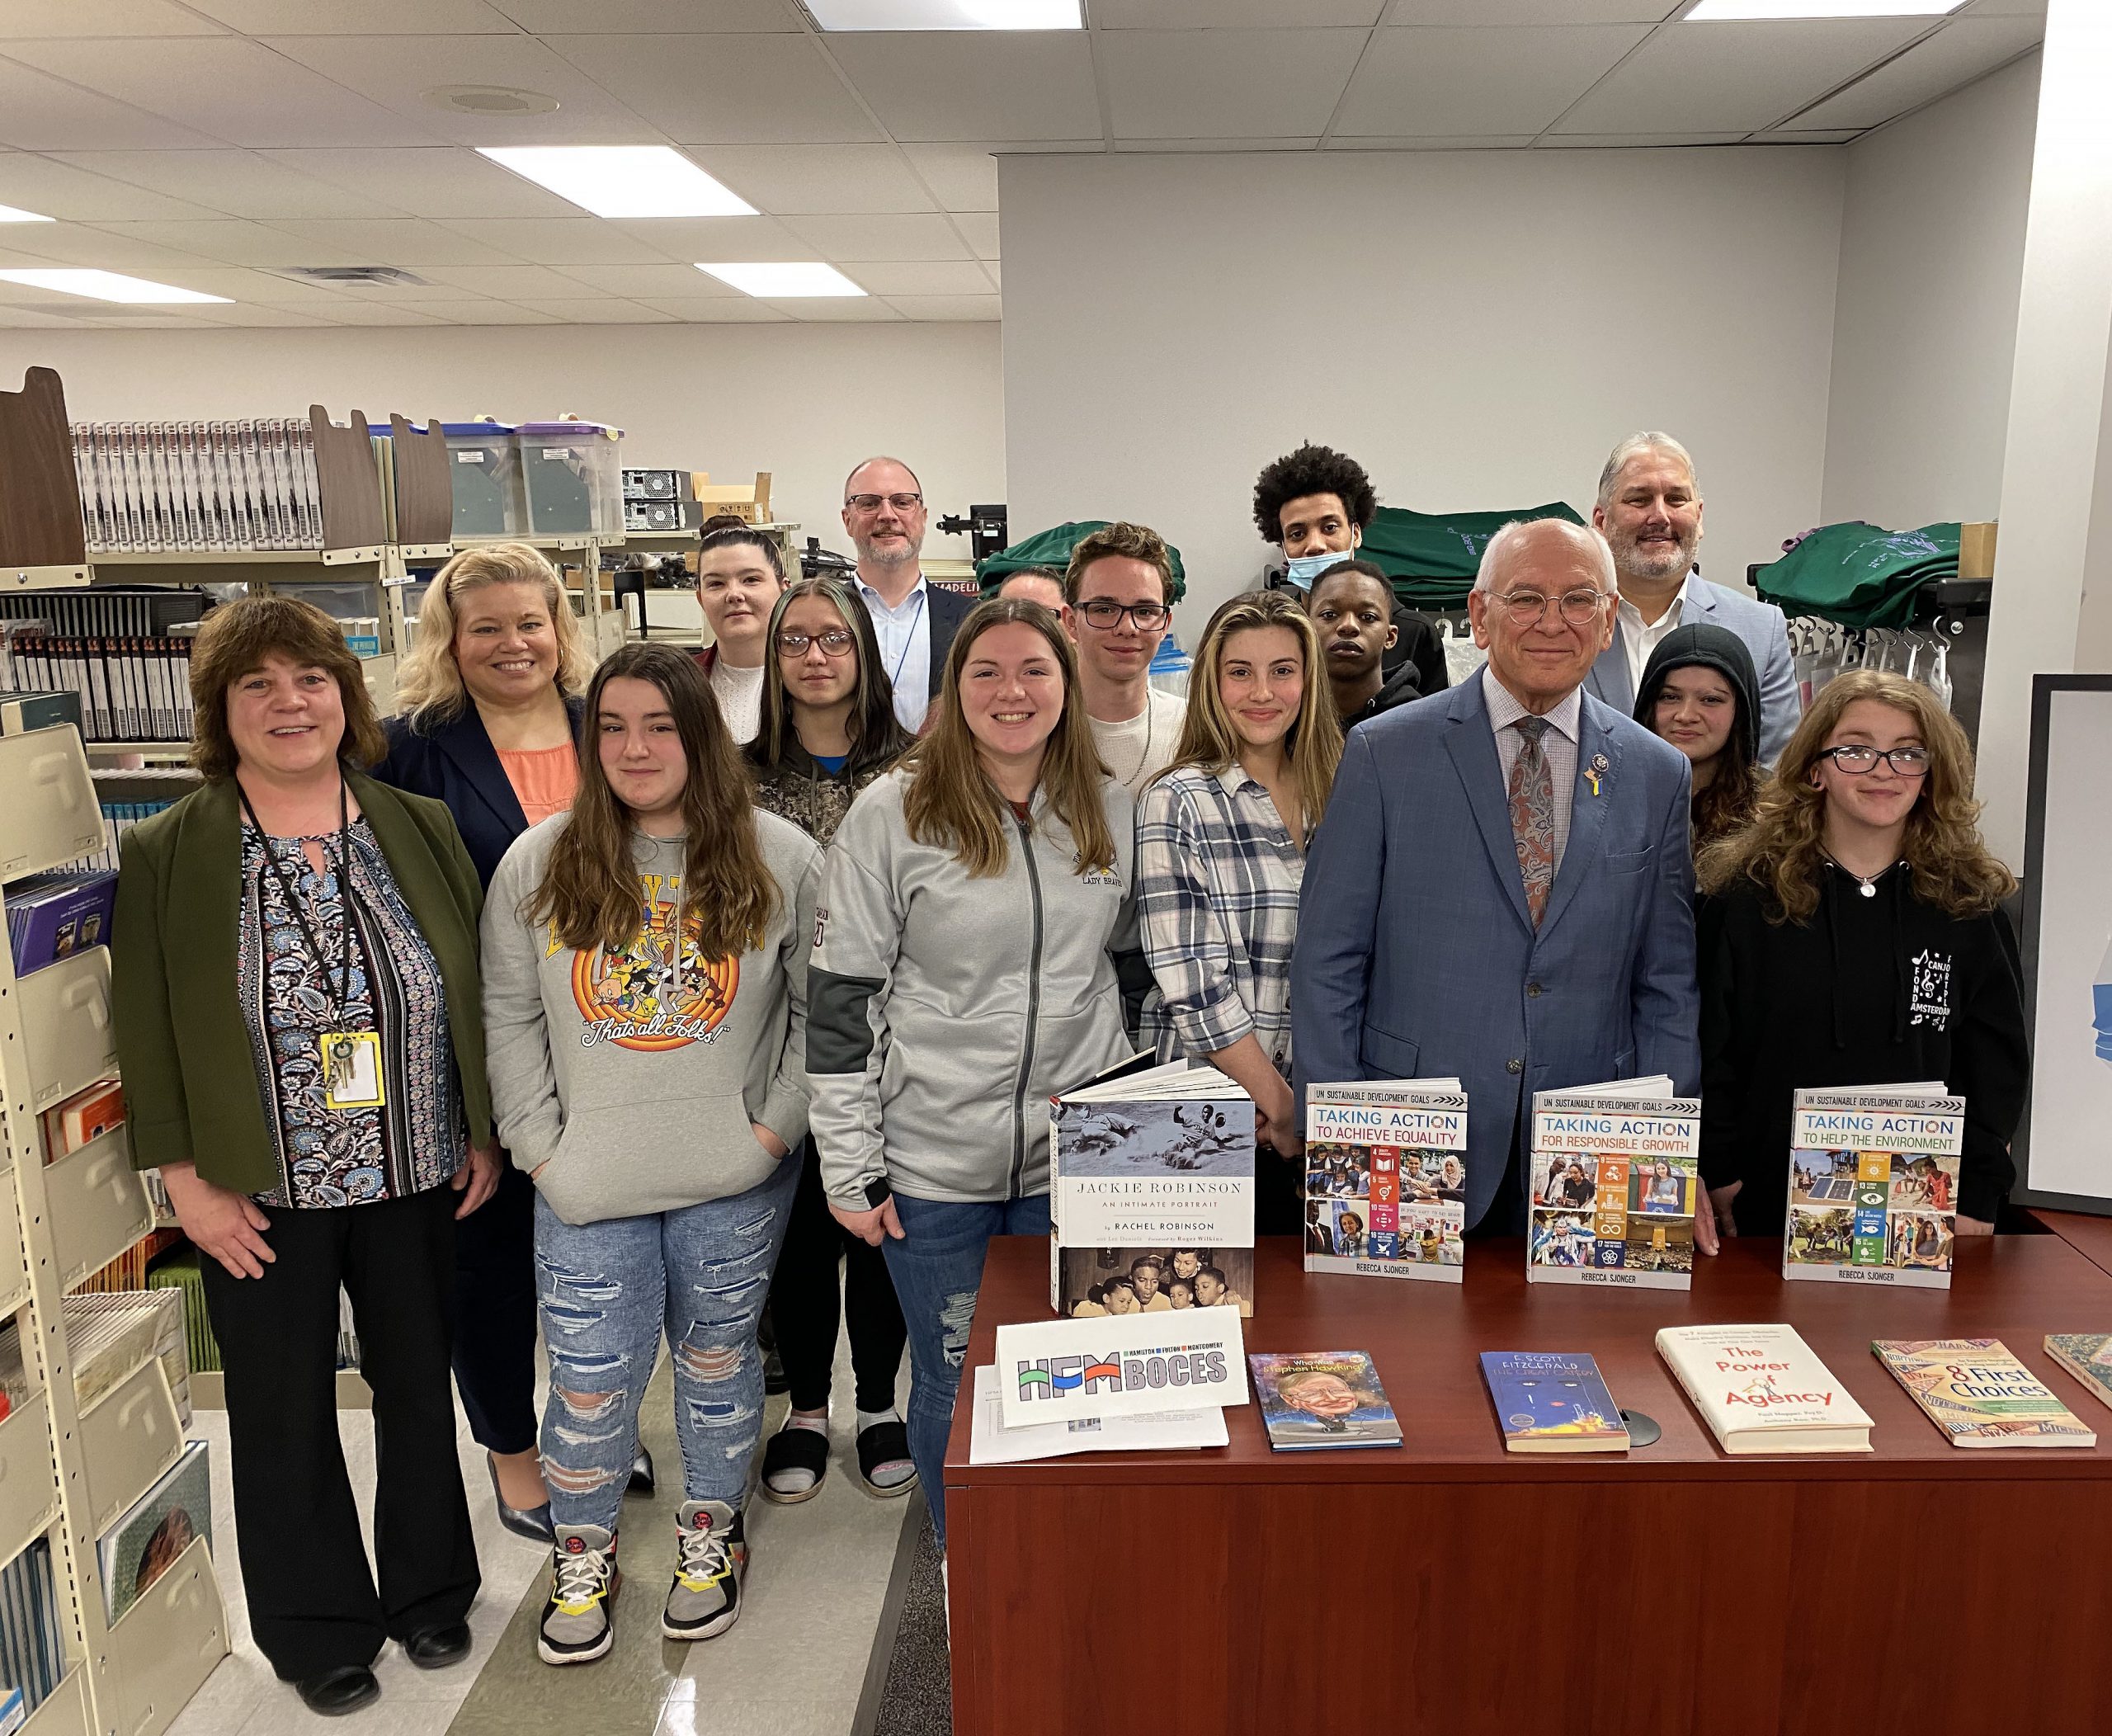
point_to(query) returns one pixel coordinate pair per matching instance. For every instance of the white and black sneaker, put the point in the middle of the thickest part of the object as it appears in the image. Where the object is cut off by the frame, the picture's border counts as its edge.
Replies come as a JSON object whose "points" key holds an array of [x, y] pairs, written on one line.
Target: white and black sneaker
{"points": [[711, 1555], [583, 1581]]}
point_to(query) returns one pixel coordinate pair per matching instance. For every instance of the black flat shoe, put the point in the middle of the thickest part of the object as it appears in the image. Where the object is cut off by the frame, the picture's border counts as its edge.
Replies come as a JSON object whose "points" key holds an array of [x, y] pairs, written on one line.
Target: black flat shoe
{"points": [[531, 1522], [335, 1692], [884, 1443], [794, 1450], [641, 1474], [435, 1648]]}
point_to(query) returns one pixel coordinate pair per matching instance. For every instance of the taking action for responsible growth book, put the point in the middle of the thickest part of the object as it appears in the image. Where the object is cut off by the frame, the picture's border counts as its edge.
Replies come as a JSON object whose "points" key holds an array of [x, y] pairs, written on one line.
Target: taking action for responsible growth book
{"points": [[1616, 1172]]}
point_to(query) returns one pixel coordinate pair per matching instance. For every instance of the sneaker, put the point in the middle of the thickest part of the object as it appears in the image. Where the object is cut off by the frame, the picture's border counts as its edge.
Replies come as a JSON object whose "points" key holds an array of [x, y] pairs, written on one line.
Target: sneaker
{"points": [[711, 1554], [583, 1577]]}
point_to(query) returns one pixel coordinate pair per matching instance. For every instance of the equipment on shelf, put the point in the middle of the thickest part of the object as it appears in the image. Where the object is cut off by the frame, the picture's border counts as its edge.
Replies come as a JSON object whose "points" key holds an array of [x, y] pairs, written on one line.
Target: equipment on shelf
{"points": [[984, 527]]}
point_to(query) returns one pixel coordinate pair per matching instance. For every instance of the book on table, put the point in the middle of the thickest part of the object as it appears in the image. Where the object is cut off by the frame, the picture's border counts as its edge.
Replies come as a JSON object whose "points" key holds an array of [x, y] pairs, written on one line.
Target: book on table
{"points": [[1761, 1390], [1615, 1175], [1979, 1394], [1549, 1402], [990, 1442], [2086, 1355], [1873, 1185], [1386, 1179], [1151, 1194], [1317, 1399]]}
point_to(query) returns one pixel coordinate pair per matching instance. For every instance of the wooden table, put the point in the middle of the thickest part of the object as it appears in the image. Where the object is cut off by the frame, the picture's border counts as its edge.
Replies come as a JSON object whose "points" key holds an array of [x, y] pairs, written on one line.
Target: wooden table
{"points": [[1449, 1587]]}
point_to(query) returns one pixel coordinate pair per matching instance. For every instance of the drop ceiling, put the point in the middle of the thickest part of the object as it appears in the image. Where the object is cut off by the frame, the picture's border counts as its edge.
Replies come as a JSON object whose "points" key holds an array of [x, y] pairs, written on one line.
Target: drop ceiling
{"points": [[212, 144]]}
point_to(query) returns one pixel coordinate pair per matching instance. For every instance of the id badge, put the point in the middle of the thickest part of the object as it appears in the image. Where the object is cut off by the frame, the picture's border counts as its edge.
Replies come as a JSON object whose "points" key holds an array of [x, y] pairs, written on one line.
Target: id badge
{"points": [[351, 1068]]}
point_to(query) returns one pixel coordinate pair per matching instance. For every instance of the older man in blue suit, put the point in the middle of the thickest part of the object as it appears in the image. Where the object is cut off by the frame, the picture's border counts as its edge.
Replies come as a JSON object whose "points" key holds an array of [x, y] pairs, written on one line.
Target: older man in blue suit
{"points": [[1649, 510], [1502, 888]]}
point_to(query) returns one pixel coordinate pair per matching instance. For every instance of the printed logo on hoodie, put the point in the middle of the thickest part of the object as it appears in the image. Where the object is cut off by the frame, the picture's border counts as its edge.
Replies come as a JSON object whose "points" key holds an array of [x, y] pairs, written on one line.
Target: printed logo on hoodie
{"points": [[1928, 993], [653, 994]]}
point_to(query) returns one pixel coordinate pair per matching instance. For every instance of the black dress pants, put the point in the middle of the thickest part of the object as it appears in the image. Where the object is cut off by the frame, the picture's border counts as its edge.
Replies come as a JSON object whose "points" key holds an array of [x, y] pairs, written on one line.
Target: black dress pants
{"points": [[312, 1604], [806, 1311], [495, 1316]]}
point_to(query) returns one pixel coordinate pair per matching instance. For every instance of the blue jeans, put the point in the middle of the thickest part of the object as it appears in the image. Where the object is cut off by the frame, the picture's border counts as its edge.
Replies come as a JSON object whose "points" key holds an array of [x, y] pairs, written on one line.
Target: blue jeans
{"points": [[606, 1293], [937, 1268]]}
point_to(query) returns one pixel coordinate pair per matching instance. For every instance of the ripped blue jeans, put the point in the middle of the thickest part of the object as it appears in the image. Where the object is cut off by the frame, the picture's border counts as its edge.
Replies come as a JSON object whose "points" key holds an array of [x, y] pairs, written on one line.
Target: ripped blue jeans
{"points": [[937, 1268], [606, 1293]]}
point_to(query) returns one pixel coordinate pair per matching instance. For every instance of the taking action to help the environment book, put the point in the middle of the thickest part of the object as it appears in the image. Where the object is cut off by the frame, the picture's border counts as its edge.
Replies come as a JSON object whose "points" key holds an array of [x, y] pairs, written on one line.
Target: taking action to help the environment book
{"points": [[1151, 1194], [2086, 1355], [1322, 1398], [1761, 1390], [1873, 1185], [1977, 1392], [1386, 1179], [1616, 1171], [1549, 1402]]}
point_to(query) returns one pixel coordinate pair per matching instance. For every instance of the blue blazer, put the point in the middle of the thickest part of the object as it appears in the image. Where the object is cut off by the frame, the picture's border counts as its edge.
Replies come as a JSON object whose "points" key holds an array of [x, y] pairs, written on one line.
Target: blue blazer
{"points": [[454, 762], [1416, 957], [1766, 634]]}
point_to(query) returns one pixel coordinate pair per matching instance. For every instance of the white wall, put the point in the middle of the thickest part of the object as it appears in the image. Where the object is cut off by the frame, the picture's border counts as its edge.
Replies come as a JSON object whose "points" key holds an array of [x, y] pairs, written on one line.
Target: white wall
{"points": [[804, 403], [1925, 329], [1492, 324]]}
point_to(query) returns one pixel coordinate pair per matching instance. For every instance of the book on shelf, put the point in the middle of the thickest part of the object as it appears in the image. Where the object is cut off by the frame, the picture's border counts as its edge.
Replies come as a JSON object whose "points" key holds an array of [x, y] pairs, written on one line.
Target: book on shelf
{"points": [[144, 1543], [32, 1653], [1761, 1390], [1979, 1394], [110, 1335], [52, 917], [184, 487], [89, 1113], [990, 1442], [1315, 1399], [1553, 1402], [2086, 1355], [1615, 1175], [23, 709], [1151, 1194], [1386, 1179], [1873, 1185]]}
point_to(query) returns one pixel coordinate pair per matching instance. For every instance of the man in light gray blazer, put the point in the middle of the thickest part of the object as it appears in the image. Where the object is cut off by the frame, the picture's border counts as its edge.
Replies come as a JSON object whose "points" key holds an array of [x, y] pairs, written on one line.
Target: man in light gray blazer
{"points": [[1649, 510], [1502, 889]]}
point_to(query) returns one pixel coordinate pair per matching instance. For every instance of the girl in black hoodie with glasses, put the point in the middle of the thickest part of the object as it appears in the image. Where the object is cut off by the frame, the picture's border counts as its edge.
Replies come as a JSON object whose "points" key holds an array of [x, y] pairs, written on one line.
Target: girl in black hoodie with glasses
{"points": [[1854, 935]]}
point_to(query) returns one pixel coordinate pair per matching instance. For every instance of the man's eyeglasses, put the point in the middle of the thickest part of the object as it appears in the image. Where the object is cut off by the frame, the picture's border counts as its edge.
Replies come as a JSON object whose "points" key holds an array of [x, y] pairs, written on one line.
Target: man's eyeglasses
{"points": [[1526, 608], [1905, 761], [834, 642], [1107, 616], [871, 502]]}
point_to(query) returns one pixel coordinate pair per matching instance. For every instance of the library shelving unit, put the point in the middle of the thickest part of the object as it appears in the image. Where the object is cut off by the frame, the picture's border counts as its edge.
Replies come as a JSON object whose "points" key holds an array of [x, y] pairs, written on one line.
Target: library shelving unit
{"points": [[67, 1474]]}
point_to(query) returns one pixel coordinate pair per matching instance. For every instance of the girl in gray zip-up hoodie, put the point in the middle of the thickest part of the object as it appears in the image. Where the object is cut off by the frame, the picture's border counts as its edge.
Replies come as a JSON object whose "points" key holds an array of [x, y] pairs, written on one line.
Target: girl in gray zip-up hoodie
{"points": [[976, 922]]}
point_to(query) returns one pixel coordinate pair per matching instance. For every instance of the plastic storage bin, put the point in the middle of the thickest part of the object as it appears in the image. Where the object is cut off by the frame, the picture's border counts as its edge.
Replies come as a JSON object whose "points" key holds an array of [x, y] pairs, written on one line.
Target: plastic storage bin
{"points": [[484, 471], [573, 479]]}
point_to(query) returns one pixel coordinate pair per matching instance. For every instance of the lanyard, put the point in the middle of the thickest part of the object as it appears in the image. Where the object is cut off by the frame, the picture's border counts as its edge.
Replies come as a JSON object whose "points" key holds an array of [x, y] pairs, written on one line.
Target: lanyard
{"points": [[909, 638], [340, 996]]}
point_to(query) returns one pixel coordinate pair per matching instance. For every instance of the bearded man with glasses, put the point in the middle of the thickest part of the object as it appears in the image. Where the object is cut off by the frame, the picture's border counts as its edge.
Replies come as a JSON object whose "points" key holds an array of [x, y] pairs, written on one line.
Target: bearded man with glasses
{"points": [[914, 621], [1501, 889], [1118, 596]]}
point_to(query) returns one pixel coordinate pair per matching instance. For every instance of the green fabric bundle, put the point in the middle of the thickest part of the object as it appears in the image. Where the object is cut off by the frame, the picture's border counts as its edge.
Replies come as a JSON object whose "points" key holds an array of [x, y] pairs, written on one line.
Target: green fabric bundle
{"points": [[1432, 557], [1860, 575], [1052, 550]]}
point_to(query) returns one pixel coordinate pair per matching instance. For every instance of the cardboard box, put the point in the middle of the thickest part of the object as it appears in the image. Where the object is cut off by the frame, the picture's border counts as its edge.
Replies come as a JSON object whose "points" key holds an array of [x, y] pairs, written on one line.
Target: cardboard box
{"points": [[1976, 550]]}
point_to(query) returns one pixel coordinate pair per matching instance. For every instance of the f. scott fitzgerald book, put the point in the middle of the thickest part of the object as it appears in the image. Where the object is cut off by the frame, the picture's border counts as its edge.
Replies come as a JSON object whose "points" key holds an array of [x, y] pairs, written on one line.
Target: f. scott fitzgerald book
{"points": [[1547, 1402], [1386, 1179]]}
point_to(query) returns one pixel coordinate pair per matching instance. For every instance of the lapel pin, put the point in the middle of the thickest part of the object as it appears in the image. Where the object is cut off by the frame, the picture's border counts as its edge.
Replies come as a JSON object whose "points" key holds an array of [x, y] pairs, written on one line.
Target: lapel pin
{"points": [[1594, 770]]}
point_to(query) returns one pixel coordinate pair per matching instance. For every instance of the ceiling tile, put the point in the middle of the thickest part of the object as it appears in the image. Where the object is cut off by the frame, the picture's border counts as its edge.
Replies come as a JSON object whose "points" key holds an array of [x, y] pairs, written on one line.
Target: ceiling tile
{"points": [[1706, 78], [1210, 84], [879, 238], [1638, 141], [839, 310], [1197, 146], [249, 313], [20, 18], [687, 239], [231, 240], [234, 183], [40, 113], [1800, 135], [725, 90], [11, 258], [560, 240], [787, 178], [646, 283], [112, 249], [980, 231], [425, 181], [717, 309], [1958, 54], [1175, 15], [52, 188], [378, 314], [252, 288], [963, 177], [1433, 82], [16, 318], [601, 311], [947, 307], [354, 17], [2006, 8], [1493, 142], [488, 312], [1532, 11], [940, 277], [667, 17], [995, 272], [942, 86], [410, 242], [512, 282]]}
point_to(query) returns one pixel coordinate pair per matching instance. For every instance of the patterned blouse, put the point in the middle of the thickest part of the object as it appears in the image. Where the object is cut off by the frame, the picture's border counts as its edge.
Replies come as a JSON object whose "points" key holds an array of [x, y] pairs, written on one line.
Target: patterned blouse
{"points": [[345, 1156], [800, 790]]}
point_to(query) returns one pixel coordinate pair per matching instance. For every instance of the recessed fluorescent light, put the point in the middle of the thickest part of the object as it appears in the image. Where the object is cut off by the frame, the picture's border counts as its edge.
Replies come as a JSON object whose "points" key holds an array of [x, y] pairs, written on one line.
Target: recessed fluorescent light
{"points": [[9, 214], [104, 286], [622, 180], [946, 15], [1717, 11], [779, 280]]}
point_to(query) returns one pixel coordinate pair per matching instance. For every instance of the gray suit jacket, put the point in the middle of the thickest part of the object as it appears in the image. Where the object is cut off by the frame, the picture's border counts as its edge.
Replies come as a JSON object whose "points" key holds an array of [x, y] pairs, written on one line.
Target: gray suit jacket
{"points": [[1766, 634]]}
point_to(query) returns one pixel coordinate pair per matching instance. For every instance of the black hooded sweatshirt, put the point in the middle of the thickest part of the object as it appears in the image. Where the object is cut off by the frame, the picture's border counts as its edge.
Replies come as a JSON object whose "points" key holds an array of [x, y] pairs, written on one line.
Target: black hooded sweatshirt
{"points": [[1883, 990], [1399, 688]]}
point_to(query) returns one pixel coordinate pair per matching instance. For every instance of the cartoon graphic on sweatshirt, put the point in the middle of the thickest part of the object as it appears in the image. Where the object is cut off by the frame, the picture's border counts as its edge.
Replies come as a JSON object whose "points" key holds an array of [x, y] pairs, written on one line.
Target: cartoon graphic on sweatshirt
{"points": [[653, 993]]}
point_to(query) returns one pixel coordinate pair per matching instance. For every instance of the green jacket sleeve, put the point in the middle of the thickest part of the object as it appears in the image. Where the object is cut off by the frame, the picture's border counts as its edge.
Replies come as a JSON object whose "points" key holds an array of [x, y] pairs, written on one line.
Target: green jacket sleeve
{"points": [[158, 1111]]}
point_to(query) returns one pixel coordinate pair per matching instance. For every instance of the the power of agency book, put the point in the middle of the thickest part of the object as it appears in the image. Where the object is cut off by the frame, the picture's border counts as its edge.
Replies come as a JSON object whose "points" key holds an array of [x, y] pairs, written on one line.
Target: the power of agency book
{"points": [[1873, 1185], [1151, 1194], [2086, 1355], [1550, 1403], [1977, 1392], [1386, 1179], [1314, 1400], [1616, 1171], [1761, 1390]]}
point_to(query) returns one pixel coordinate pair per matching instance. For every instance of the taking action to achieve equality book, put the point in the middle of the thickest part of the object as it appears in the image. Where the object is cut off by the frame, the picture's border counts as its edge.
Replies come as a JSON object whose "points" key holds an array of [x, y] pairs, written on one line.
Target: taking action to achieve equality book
{"points": [[1977, 1392], [1761, 1390], [1386, 1179], [1616, 1171], [1322, 1398], [1550, 1403], [1873, 1185]]}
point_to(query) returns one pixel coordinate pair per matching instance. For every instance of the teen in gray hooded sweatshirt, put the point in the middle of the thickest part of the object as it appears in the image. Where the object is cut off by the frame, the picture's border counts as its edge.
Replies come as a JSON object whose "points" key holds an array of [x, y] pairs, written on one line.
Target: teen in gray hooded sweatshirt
{"points": [[644, 961]]}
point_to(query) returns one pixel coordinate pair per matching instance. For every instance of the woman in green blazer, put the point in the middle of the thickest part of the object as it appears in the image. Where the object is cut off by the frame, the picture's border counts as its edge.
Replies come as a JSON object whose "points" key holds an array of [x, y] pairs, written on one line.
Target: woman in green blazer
{"points": [[294, 984]]}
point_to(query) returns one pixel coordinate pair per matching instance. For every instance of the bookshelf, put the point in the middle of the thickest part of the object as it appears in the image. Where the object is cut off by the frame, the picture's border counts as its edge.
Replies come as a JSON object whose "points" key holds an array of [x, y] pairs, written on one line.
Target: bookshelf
{"points": [[66, 1471]]}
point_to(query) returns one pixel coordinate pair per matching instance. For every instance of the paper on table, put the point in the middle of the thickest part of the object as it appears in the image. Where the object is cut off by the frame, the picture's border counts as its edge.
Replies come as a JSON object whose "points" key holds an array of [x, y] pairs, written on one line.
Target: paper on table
{"points": [[990, 1442]]}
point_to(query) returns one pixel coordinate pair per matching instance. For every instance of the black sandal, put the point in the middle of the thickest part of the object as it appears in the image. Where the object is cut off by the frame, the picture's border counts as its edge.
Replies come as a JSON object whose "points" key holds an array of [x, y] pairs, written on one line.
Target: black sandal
{"points": [[884, 1443], [794, 1450]]}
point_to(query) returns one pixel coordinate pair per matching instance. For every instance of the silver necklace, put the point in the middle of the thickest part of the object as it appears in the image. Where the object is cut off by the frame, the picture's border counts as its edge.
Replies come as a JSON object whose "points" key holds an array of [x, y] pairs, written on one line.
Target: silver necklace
{"points": [[1867, 884]]}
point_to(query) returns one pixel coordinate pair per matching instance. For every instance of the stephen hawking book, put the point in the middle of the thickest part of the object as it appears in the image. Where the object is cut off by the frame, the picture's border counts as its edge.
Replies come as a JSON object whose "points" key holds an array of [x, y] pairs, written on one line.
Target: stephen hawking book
{"points": [[1979, 1394], [2086, 1355], [1761, 1390], [1322, 1398], [1615, 1175], [1873, 1185], [1552, 1403], [1386, 1179], [143, 1545], [1151, 1194]]}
